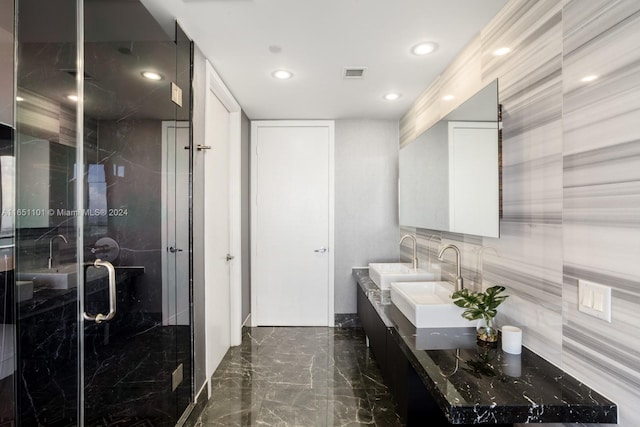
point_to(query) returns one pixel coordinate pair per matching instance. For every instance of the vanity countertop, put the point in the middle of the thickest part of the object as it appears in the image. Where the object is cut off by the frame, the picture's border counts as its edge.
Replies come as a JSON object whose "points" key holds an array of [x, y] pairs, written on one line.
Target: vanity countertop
{"points": [[475, 385], [45, 299]]}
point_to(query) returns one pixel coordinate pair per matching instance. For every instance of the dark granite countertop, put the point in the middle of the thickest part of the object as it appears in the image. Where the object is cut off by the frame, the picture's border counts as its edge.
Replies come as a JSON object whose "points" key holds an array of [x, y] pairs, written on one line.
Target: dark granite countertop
{"points": [[46, 299], [474, 385]]}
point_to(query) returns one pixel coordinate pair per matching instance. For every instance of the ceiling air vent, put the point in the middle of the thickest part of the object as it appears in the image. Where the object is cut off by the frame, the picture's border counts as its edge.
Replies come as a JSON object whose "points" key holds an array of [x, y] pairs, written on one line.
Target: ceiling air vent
{"points": [[354, 72]]}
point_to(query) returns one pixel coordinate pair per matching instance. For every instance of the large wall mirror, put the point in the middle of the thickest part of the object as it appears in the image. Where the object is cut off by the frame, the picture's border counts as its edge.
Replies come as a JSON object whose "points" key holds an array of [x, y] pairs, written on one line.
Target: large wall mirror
{"points": [[449, 175]]}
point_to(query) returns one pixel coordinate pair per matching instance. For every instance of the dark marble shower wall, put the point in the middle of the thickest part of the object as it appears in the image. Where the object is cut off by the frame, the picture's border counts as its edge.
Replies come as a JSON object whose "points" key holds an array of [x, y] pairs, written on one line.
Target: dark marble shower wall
{"points": [[134, 147], [9, 295]]}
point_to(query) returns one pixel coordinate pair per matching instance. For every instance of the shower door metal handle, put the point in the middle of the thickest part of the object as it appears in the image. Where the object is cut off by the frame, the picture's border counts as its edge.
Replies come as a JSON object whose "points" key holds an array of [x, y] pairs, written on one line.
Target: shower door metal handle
{"points": [[98, 318]]}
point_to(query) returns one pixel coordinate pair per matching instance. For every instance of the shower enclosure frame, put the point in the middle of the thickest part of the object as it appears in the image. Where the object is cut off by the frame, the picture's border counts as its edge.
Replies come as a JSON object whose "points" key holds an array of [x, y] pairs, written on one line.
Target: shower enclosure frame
{"points": [[182, 378]]}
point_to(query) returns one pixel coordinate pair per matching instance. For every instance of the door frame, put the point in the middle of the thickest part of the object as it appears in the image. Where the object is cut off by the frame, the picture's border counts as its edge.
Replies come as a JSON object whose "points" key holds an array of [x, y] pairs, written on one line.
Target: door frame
{"points": [[217, 88], [330, 125]]}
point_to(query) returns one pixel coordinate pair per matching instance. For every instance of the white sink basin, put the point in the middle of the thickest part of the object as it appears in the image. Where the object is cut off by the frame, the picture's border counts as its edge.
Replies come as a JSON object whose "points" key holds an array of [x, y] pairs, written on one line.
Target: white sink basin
{"points": [[428, 304], [60, 277], [383, 274]]}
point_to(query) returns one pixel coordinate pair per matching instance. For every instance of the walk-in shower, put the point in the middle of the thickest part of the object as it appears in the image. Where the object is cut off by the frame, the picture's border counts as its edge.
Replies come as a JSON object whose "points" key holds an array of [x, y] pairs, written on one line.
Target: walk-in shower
{"points": [[95, 318]]}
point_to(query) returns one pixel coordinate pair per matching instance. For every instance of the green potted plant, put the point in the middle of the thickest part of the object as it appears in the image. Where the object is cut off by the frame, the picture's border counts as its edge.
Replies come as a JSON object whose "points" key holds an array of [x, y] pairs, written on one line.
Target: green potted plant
{"points": [[481, 306]]}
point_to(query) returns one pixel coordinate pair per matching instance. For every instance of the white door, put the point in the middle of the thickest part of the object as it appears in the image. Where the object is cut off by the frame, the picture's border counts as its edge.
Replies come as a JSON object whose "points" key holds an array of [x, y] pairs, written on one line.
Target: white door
{"points": [[216, 229], [292, 223], [175, 220]]}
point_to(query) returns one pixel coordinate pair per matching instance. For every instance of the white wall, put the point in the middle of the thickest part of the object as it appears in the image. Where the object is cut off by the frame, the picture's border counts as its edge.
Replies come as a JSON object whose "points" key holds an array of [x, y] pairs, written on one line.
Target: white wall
{"points": [[366, 201]]}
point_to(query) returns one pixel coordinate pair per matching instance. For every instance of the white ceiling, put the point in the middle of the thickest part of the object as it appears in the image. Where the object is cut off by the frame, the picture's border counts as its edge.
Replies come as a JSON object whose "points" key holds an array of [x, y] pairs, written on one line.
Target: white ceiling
{"points": [[318, 38]]}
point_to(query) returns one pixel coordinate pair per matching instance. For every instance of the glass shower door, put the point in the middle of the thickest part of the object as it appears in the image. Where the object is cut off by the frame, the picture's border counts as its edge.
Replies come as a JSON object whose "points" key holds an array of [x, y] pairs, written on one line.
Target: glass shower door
{"points": [[105, 339], [45, 141], [137, 365]]}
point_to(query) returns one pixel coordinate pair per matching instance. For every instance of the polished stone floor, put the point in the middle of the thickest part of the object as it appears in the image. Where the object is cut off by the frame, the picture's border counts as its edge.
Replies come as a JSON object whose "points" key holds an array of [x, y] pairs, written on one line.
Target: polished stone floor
{"points": [[302, 376]]}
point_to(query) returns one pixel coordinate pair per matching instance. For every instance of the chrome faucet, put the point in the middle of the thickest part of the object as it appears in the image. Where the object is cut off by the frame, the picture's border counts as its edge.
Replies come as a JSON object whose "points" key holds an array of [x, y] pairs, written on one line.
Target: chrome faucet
{"points": [[459, 283], [57, 236], [414, 260]]}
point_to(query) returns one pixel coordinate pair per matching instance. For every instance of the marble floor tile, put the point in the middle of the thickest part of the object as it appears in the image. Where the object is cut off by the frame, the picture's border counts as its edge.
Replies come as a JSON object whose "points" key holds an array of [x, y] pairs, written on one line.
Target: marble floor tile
{"points": [[299, 376]]}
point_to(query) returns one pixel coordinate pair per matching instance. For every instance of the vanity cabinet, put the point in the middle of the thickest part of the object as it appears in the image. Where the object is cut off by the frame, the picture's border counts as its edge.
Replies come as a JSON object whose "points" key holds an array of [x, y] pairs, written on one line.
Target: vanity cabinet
{"points": [[414, 403], [437, 379], [375, 329]]}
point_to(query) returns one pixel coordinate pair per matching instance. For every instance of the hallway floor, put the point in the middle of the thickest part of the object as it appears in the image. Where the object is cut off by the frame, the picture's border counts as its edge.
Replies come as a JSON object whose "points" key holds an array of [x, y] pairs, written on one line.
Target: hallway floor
{"points": [[299, 376]]}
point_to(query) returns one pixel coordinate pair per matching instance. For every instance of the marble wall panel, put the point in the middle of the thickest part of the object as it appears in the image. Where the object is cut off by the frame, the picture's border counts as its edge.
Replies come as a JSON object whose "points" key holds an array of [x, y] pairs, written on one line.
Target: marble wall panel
{"points": [[571, 185], [427, 108], [530, 266], [38, 116], [602, 195], [532, 173], [530, 87], [462, 78], [524, 27], [407, 131], [528, 256]]}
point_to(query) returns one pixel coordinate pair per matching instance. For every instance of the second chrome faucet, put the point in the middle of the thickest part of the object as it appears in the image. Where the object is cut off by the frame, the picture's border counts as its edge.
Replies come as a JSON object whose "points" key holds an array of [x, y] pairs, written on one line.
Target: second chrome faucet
{"points": [[459, 282]]}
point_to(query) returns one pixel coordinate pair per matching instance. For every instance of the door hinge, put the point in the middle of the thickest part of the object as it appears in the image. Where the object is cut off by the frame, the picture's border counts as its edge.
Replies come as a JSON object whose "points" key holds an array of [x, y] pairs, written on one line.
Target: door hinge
{"points": [[176, 377], [176, 94]]}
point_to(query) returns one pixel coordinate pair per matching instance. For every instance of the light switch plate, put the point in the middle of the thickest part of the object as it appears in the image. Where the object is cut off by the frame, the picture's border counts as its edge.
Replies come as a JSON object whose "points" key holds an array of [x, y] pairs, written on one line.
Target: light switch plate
{"points": [[594, 299]]}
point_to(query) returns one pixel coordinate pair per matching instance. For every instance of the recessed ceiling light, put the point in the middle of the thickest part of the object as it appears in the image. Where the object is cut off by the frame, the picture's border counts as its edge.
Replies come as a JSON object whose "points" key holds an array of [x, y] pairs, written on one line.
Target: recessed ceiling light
{"points": [[589, 78], [73, 98], [424, 48], [282, 74], [501, 51], [448, 97], [392, 96], [19, 99], [151, 75]]}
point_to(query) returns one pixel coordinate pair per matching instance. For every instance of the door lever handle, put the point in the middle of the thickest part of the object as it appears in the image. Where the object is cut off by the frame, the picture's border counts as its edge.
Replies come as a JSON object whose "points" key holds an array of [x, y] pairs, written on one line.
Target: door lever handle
{"points": [[174, 250], [320, 250], [230, 257]]}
